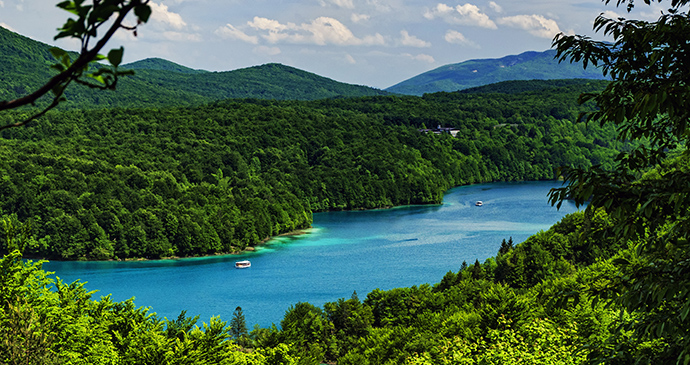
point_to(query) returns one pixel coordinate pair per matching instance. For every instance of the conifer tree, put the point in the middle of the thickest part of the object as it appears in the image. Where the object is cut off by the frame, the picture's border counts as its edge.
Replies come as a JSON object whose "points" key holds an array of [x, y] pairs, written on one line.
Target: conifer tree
{"points": [[238, 325]]}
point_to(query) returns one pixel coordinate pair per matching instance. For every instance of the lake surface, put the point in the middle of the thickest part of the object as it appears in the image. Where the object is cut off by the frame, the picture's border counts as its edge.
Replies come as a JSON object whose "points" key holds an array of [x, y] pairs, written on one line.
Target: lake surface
{"points": [[344, 252]]}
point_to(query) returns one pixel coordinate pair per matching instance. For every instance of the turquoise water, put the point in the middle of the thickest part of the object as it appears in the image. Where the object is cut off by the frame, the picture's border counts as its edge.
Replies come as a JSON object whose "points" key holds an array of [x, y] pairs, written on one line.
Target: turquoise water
{"points": [[344, 252]]}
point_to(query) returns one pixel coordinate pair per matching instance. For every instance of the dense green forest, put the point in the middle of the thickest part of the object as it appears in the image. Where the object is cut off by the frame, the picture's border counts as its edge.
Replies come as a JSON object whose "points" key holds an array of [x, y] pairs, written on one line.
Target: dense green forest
{"points": [[609, 285], [127, 183], [544, 301]]}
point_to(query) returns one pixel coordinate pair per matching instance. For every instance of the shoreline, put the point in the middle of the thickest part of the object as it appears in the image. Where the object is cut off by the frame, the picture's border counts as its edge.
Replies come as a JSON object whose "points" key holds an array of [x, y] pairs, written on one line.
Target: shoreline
{"points": [[296, 232], [293, 233]]}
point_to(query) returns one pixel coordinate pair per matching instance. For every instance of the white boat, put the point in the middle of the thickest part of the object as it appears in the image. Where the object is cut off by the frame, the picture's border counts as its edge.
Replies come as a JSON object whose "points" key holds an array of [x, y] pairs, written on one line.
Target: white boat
{"points": [[243, 264], [479, 203]]}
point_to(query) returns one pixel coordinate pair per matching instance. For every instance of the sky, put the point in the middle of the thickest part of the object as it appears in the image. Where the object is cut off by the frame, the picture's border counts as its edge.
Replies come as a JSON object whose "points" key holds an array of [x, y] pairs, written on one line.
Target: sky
{"points": [[377, 43]]}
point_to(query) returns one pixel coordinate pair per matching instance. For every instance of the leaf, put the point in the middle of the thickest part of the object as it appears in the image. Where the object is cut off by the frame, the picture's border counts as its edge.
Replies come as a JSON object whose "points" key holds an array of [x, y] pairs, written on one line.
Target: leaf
{"points": [[143, 12], [58, 53], [69, 6], [115, 56], [621, 262]]}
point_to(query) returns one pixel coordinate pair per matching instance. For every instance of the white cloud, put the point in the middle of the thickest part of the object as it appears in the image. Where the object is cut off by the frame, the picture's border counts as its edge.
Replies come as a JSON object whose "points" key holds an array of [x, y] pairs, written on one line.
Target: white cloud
{"points": [[374, 40], [420, 57], [456, 37], [321, 31], [412, 41], [164, 25], [161, 14], [497, 8], [180, 36], [268, 24], [611, 14], [230, 32], [347, 4], [356, 18], [382, 6], [325, 30], [439, 10], [471, 15], [2, 5], [274, 28], [351, 60], [536, 25], [268, 51], [467, 14]]}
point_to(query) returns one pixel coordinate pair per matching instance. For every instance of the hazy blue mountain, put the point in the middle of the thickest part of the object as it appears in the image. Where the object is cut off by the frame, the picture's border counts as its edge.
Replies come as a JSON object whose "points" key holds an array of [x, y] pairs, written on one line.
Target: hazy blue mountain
{"points": [[472, 73]]}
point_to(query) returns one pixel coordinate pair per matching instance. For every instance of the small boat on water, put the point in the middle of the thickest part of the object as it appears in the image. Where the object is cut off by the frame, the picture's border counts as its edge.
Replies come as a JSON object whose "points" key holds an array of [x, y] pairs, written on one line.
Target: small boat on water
{"points": [[479, 203], [243, 264]]}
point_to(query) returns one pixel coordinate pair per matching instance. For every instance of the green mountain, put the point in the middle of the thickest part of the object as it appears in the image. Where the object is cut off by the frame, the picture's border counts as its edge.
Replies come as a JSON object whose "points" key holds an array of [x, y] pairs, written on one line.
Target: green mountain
{"points": [[25, 65], [160, 65], [473, 73]]}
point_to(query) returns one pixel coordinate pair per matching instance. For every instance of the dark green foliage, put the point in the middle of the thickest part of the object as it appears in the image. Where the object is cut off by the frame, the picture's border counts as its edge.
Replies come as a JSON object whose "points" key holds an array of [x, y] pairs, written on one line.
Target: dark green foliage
{"points": [[646, 100], [166, 182], [238, 327], [520, 86]]}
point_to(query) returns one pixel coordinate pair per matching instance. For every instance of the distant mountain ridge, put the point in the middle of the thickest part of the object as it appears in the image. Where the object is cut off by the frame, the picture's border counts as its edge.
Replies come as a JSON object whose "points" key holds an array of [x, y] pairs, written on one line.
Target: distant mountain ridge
{"points": [[25, 66], [525, 66]]}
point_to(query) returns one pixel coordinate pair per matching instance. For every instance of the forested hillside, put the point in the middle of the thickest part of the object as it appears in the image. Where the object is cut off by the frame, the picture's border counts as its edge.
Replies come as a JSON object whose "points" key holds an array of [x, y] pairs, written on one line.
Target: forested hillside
{"points": [[25, 65], [125, 183]]}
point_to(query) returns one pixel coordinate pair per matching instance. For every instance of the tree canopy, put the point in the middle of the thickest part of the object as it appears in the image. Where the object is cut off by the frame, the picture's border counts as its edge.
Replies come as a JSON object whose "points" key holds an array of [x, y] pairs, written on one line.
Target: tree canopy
{"points": [[646, 100]]}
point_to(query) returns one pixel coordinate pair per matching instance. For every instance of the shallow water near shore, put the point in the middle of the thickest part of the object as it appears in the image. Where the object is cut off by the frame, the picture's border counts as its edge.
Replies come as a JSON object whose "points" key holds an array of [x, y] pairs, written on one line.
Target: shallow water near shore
{"points": [[344, 252]]}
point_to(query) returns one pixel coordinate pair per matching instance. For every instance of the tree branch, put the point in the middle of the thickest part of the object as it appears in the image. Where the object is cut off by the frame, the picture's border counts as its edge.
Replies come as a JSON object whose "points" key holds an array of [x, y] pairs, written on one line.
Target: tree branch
{"points": [[74, 71]]}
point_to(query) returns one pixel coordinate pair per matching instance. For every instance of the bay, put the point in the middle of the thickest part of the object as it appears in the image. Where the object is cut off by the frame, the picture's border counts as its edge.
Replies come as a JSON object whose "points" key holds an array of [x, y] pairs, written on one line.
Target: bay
{"points": [[343, 252]]}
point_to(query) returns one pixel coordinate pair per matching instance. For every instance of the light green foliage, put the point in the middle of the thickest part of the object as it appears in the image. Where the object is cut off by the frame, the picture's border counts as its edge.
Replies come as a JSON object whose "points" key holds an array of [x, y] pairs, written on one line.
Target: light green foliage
{"points": [[17, 235], [538, 342], [65, 326], [307, 329]]}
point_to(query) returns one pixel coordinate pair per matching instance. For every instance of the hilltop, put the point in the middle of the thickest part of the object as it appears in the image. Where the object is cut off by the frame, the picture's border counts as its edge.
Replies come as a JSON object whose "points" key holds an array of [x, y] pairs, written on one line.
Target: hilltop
{"points": [[25, 65]]}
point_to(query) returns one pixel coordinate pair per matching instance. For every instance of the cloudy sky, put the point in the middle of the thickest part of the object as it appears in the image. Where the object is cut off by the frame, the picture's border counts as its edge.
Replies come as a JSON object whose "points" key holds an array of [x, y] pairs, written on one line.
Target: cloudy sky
{"points": [[369, 42]]}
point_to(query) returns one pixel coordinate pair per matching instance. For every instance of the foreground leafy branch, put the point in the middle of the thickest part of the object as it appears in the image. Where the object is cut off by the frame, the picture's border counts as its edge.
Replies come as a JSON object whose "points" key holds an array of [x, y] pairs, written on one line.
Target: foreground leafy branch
{"points": [[85, 28], [646, 193]]}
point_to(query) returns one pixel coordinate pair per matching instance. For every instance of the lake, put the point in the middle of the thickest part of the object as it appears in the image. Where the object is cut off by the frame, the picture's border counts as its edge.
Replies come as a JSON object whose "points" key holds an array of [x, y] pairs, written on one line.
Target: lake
{"points": [[343, 252]]}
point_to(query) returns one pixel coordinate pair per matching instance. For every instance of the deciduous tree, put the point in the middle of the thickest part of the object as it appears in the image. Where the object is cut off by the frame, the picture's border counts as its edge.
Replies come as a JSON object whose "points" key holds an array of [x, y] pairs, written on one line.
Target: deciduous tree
{"points": [[647, 101]]}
